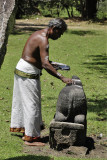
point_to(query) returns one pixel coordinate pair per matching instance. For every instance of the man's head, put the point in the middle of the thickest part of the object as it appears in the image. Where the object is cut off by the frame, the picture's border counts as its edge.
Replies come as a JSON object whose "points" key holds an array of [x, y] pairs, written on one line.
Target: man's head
{"points": [[58, 27], [58, 23]]}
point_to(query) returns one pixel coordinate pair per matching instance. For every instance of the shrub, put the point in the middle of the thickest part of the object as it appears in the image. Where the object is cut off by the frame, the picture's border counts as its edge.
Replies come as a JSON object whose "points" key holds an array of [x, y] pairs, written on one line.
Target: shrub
{"points": [[102, 12]]}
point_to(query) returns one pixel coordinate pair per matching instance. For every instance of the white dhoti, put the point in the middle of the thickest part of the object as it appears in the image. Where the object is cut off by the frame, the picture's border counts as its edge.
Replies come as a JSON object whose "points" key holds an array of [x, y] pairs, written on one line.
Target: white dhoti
{"points": [[26, 104]]}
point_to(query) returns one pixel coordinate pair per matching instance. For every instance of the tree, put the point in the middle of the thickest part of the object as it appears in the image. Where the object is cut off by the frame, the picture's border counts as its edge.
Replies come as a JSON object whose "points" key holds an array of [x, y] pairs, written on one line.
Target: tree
{"points": [[58, 5], [7, 19], [91, 8], [68, 5], [26, 7], [51, 5], [80, 5], [102, 9], [87, 8]]}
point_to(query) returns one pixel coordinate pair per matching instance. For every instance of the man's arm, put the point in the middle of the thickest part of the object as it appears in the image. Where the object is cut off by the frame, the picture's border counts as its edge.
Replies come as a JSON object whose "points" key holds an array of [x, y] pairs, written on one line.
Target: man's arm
{"points": [[44, 53]]}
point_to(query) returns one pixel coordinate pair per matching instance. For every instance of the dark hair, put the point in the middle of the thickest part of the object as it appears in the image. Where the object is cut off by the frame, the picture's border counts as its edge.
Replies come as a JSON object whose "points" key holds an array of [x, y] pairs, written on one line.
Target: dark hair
{"points": [[58, 23]]}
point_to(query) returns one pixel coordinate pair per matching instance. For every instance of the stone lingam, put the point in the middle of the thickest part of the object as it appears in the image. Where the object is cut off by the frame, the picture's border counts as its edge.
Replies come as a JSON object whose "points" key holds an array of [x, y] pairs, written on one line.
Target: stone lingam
{"points": [[69, 125]]}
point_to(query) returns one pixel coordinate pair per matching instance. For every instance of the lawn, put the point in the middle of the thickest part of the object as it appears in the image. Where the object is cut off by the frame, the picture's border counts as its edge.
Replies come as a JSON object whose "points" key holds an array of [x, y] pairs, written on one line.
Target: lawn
{"points": [[85, 52]]}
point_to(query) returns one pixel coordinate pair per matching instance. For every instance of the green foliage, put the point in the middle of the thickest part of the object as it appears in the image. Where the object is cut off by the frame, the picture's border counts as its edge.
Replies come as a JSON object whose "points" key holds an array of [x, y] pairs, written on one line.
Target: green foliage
{"points": [[56, 8], [102, 9], [26, 7], [50, 8], [84, 51], [59, 8]]}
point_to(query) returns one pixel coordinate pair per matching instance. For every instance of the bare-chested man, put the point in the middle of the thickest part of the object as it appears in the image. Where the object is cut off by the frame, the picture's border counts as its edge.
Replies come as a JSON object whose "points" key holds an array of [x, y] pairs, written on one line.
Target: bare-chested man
{"points": [[26, 105]]}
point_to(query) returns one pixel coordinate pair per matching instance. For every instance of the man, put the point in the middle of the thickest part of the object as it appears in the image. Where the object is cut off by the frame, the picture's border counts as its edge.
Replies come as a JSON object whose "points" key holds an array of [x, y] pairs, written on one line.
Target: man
{"points": [[26, 105]]}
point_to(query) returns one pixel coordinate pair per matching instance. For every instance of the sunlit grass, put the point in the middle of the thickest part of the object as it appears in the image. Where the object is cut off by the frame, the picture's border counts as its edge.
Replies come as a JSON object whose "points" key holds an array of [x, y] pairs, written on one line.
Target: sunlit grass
{"points": [[85, 53]]}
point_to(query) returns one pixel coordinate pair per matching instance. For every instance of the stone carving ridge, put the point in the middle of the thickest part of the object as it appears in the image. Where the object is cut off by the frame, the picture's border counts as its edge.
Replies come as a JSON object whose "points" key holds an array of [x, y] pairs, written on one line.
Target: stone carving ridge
{"points": [[69, 124]]}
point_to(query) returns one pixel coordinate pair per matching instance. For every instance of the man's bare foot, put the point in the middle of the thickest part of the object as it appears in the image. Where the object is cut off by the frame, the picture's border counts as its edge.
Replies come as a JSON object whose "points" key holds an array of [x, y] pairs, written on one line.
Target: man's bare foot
{"points": [[34, 144]]}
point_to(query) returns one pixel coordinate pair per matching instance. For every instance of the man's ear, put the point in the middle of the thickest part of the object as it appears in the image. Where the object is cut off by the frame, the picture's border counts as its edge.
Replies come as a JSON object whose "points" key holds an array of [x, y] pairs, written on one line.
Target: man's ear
{"points": [[54, 28], [51, 30]]}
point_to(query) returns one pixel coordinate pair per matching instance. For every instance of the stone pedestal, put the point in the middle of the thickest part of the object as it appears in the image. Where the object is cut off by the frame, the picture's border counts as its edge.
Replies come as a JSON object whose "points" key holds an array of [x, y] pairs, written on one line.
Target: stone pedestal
{"points": [[63, 134]]}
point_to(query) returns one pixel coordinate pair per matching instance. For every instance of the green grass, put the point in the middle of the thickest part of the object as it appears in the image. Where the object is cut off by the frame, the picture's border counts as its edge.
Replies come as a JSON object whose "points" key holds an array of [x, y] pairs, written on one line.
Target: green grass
{"points": [[85, 52]]}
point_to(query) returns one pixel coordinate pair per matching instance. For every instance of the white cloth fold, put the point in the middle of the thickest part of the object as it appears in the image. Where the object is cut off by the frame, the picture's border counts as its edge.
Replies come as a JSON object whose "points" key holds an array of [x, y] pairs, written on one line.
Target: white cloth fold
{"points": [[26, 67], [26, 104]]}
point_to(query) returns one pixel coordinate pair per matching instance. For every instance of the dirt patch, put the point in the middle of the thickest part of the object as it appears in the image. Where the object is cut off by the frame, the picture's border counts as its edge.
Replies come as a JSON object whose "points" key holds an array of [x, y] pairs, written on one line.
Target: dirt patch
{"points": [[96, 148]]}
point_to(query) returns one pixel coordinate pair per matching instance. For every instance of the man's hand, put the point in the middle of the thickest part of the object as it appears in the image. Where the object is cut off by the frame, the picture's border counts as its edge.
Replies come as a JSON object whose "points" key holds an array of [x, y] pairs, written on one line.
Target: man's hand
{"points": [[66, 80]]}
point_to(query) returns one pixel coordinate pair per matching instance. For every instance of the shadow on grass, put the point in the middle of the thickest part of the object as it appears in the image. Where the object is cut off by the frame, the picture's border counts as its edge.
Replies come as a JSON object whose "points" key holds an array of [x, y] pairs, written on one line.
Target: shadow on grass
{"points": [[98, 106], [98, 62], [17, 135], [79, 19], [52, 98], [82, 33], [89, 144], [30, 157], [44, 139], [30, 24], [22, 27], [49, 99]]}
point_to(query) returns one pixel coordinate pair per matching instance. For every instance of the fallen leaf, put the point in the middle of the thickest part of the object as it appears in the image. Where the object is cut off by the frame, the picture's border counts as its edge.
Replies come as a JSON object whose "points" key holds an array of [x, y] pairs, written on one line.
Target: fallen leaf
{"points": [[7, 121], [8, 88], [52, 84]]}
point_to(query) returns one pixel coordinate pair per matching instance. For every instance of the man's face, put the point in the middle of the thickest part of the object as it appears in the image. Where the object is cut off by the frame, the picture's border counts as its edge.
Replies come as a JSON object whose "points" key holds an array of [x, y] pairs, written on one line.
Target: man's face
{"points": [[56, 33]]}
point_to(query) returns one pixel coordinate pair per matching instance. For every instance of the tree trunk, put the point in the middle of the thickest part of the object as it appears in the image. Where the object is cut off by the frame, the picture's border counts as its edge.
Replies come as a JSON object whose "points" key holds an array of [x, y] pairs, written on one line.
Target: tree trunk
{"points": [[58, 8], [68, 13], [7, 17], [91, 8], [72, 13], [83, 9]]}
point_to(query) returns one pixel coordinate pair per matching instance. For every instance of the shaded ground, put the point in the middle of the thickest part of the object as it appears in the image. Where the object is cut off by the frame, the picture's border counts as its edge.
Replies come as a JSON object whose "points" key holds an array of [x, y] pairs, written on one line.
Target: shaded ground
{"points": [[39, 23], [96, 148]]}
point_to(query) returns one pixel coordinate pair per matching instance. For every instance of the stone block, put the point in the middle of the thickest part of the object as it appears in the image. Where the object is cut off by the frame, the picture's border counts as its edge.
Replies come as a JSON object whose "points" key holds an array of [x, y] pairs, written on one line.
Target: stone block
{"points": [[63, 135]]}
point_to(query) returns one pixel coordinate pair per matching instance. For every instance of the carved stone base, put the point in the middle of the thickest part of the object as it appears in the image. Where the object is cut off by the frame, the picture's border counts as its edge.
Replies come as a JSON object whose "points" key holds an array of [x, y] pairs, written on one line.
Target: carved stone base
{"points": [[63, 135]]}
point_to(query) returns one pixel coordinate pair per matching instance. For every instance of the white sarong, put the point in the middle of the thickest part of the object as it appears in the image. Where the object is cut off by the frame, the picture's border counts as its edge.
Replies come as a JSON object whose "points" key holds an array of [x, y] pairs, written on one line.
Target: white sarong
{"points": [[26, 104]]}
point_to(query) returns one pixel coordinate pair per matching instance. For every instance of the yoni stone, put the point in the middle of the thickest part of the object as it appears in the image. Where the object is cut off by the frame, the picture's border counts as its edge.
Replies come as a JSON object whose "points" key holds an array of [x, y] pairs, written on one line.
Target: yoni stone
{"points": [[63, 135]]}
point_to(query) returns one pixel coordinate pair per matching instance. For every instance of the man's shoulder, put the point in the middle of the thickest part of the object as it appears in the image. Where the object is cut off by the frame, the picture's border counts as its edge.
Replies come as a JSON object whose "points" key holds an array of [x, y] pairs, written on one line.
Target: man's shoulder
{"points": [[39, 38], [40, 34]]}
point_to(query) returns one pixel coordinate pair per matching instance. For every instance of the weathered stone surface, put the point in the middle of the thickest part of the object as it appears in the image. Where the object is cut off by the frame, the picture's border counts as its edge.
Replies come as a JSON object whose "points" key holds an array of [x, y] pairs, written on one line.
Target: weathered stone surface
{"points": [[69, 125], [71, 104], [6, 9], [64, 134], [81, 150], [65, 125]]}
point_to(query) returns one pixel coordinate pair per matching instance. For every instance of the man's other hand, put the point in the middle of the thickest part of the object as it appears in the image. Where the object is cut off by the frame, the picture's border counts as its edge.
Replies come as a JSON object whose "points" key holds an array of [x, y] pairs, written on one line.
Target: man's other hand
{"points": [[66, 80]]}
